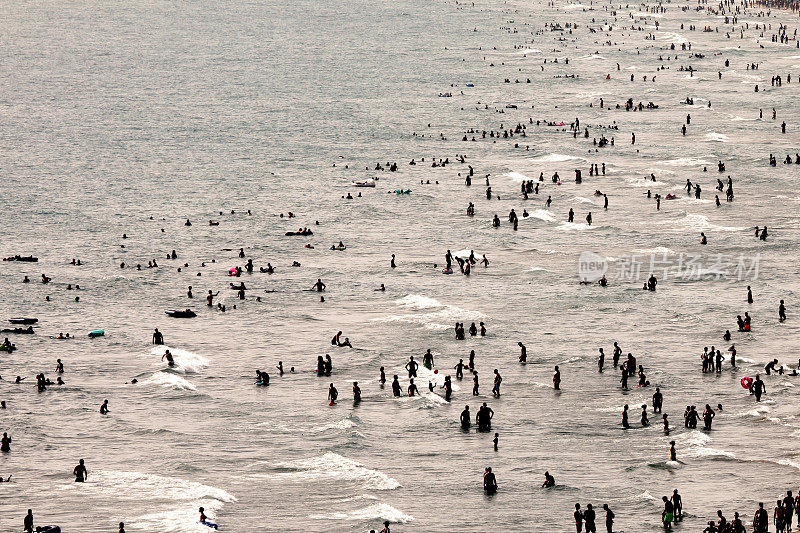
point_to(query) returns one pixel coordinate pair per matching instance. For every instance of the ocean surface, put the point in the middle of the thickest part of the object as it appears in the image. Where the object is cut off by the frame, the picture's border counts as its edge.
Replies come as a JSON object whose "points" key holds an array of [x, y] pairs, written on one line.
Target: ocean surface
{"points": [[132, 117]]}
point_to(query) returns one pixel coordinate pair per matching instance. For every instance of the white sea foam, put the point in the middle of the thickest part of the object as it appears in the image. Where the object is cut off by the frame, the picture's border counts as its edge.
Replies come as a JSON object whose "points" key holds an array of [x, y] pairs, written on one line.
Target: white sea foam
{"points": [[543, 214], [692, 438], [685, 162], [581, 199], [555, 158], [717, 137], [438, 315], [517, 177], [174, 501], [345, 423], [416, 301], [574, 226], [336, 467], [658, 250], [641, 182], [169, 380], [376, 511], [701, 222], [185, 361]]}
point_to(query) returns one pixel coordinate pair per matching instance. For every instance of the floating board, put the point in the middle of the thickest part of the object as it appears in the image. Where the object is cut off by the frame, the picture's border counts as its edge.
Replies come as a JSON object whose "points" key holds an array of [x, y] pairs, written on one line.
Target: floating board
{"points": [[23, 320]]}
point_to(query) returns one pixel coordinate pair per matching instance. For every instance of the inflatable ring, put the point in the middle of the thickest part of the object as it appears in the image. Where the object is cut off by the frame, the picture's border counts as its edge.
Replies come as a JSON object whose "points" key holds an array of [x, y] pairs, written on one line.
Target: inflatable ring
{"points": [[747, 382]]}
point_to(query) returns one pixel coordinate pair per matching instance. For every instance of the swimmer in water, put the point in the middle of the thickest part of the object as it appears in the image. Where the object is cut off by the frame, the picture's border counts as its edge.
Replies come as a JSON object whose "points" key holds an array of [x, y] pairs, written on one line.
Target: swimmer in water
{"points": [[104, 408], [168, 356]]}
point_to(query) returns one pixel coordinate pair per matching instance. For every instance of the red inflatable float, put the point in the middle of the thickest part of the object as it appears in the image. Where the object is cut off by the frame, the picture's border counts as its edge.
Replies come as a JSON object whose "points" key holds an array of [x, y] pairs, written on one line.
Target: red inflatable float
{"points": [[747, 382]]}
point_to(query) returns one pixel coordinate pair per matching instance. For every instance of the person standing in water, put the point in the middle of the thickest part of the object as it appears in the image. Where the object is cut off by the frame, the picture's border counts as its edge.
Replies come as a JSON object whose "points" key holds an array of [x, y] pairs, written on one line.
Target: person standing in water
{"points": [[158, 338], [459, 368], [578, 515], [497, 381], [677, 505], [557, 379], [489, 481], [609, 518], [759, 388], [589, 517], [466, 418], [333, 394], [781, 312], [412, 366], [667, 515], [658, 400], [210, 298], [80, 472]]}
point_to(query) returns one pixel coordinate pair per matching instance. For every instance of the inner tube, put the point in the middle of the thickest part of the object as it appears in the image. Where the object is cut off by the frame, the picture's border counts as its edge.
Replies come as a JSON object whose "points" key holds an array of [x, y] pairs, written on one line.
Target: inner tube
{"points": [[19, 331], [447, 271], [96, 333], [340, 248], [747, 382], [212, 525]]}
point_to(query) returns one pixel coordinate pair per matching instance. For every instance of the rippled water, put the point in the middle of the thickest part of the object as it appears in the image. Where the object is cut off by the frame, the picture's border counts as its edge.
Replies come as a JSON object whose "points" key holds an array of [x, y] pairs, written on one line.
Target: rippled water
{"points": [[131, 117]]}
